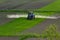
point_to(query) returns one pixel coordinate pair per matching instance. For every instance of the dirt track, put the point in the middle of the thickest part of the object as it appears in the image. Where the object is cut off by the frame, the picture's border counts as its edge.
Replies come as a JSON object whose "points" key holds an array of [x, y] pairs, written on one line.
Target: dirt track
{"points": [[24, 4], [9, 38]]}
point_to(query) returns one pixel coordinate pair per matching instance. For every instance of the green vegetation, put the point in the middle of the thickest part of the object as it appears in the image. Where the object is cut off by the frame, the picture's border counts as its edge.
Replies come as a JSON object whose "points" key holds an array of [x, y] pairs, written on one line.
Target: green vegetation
{"points": [[50, 34], [16, 26], [55, 6], [45, 13], [2, 1]]}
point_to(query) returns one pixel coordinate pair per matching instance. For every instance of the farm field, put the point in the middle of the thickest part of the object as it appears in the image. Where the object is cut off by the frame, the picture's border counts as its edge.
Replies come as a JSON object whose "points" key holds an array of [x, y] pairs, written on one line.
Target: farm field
{"points": [[55, 6], [16, 26]]}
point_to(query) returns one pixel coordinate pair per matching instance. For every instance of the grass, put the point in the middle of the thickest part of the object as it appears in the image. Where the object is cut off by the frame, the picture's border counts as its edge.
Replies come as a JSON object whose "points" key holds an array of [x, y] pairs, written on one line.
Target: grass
{"points": [[16, 26], [55, 6], [45, 13]]}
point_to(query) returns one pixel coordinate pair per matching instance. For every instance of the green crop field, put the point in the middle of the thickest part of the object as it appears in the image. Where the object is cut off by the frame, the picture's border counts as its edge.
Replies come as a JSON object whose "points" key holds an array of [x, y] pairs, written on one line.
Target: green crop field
{"points": [[55, 6], [16, 26]]}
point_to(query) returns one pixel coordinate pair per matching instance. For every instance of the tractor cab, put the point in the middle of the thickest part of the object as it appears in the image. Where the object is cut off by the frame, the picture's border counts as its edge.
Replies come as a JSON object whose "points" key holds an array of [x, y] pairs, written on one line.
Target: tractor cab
{"points": [[30, 16]]}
